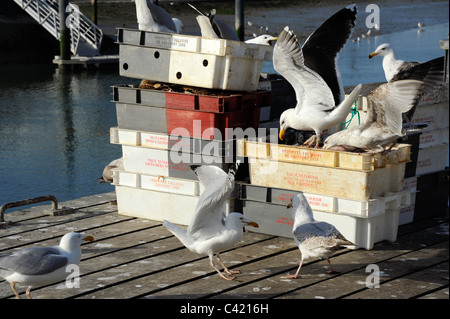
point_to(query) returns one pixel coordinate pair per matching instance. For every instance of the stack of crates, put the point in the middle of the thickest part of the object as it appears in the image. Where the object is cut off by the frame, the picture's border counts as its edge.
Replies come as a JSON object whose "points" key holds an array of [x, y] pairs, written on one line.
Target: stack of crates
{"points": [[360, 194], [163, 132]]}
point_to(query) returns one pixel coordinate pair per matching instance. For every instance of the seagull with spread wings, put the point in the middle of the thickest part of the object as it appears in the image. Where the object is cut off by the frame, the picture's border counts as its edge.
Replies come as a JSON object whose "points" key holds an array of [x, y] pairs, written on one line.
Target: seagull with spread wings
{"points": [[151, 17], [312, 71], [211, 231]]}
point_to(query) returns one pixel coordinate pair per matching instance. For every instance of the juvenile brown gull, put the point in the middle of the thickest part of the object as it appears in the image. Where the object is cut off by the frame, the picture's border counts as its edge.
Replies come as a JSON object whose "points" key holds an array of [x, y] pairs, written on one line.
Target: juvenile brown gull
{"points": [[314, 239], [312, 71], [37, 266], [386, 106], [395, 70], [210, 230]]}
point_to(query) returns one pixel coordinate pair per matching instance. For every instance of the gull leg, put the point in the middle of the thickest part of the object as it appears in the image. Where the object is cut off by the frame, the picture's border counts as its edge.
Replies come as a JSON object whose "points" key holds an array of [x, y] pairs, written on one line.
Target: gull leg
{"points": [[331, 271], [310, 141], [295, 276], [219, 272], [28, 292], [229, 272], [13, 287]]}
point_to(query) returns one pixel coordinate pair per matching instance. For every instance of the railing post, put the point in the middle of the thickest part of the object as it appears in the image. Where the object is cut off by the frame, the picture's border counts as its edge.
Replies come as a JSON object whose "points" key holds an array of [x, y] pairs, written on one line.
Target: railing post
{"points": [[64, 36]]}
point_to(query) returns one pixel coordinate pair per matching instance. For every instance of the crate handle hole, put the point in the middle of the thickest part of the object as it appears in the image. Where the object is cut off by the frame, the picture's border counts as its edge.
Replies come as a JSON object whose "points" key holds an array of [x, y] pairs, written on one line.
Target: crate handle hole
{"points": [[205, 63], [156, 55], [179, 75], [125, 66]]}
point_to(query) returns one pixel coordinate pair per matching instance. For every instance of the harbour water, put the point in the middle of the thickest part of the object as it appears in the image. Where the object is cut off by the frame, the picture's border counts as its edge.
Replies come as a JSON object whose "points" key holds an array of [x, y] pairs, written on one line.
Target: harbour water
{"points": [[54, 128]]}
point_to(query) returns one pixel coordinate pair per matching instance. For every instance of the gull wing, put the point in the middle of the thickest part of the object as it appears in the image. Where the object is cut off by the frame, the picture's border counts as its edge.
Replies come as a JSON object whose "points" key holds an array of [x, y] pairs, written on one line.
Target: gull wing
{"points": [[322, 47], [288, 61], [388, 101], [34, 261], [210, 210], [161, 16]]}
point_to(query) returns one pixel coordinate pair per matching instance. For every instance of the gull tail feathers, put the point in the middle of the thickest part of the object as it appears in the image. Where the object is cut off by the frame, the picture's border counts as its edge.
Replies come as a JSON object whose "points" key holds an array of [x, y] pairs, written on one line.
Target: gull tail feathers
{"points": [[341, 111], [179, 232]]}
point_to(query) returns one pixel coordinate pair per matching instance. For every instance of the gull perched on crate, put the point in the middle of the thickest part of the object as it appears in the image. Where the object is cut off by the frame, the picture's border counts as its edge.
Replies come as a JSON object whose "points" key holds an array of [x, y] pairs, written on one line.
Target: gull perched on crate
{"points": [[37, 266], [312, 71], [107, 175], [314, 239], [151, 17], [210, 230], [386, 105], [395, 70], [211, 27]]}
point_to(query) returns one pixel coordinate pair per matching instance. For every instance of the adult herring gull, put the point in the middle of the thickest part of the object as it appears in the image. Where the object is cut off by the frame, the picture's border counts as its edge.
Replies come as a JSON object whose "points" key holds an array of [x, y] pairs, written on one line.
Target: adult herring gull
{"points": [[37, 266], [314, 239], [151, 17], [312, 71], [210, 230]]}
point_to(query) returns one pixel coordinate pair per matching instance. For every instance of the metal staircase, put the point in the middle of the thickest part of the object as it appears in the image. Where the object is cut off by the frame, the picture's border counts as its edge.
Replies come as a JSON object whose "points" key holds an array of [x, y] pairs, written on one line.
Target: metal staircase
{"points": [[85, 36]]}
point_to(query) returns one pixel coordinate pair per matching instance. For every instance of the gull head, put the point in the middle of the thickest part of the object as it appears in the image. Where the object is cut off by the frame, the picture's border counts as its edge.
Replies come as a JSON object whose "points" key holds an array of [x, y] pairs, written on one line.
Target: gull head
{"points": [[265, 39], [382, 50], [73, 240], [284, 122]]}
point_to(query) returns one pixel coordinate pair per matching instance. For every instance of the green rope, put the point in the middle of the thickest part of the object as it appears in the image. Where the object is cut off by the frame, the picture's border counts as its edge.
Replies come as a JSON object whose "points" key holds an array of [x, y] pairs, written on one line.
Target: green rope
{"points": [[354, 112]]}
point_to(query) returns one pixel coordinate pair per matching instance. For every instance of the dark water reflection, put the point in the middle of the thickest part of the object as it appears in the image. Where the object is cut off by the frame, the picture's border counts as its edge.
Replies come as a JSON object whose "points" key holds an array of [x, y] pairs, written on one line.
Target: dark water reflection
{"points": [[54, 131]]}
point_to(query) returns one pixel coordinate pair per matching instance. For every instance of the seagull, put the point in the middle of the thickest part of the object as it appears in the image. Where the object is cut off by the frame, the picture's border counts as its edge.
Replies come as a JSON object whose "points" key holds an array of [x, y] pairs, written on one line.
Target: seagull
{"points": [[383, 124], [314, 239], [264, 39], [395, 70], [37, 266], [107, 176], [151, 17], [312, 71], [211, 27], [210, 230], [420, 25], [318, 101]]}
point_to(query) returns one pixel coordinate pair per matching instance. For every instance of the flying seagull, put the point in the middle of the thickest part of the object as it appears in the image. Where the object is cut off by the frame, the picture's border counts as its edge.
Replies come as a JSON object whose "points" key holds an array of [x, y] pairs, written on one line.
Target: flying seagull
{"points": [[151, 17], [210, 230], [312, 71], [37, 266], [314, 239]]}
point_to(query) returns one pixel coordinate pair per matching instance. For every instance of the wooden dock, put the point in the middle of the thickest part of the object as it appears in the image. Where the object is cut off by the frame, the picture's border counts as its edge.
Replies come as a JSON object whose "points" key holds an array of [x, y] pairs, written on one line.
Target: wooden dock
{"points": [[137, 258]]}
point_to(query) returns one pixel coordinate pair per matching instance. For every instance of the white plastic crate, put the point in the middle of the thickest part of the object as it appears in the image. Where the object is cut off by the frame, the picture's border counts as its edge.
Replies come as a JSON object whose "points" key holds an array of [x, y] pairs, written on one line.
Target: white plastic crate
{"points": [[432, 159], [337, 205], [364, 232], [191, 60], [158, 183]]}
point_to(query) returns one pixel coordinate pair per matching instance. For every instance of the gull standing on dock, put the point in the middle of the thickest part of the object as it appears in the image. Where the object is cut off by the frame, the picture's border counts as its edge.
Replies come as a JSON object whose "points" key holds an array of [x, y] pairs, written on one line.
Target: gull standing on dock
{"points": [[386, 105], [37, 266], [210, 230], [312, 71], [107, 176], [151, 17], [314, 239], [395, 70]]}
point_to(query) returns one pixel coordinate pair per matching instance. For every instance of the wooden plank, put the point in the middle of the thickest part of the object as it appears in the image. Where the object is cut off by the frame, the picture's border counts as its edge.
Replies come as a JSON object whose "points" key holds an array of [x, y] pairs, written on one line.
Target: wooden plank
{"points": [[437, 294], [356, 280]]}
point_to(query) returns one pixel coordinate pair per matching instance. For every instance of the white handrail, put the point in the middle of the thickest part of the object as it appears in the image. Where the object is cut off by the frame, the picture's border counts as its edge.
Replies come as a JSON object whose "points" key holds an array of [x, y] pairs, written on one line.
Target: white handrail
{"points": [[46, 13]]}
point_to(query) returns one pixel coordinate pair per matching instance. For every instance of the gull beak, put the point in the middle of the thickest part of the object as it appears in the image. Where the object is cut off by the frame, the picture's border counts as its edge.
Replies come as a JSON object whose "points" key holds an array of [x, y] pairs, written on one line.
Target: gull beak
{"points": [[253, 224], [272, 40], [282, 129], [372, 55], [88, 238], [290, 204]]}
